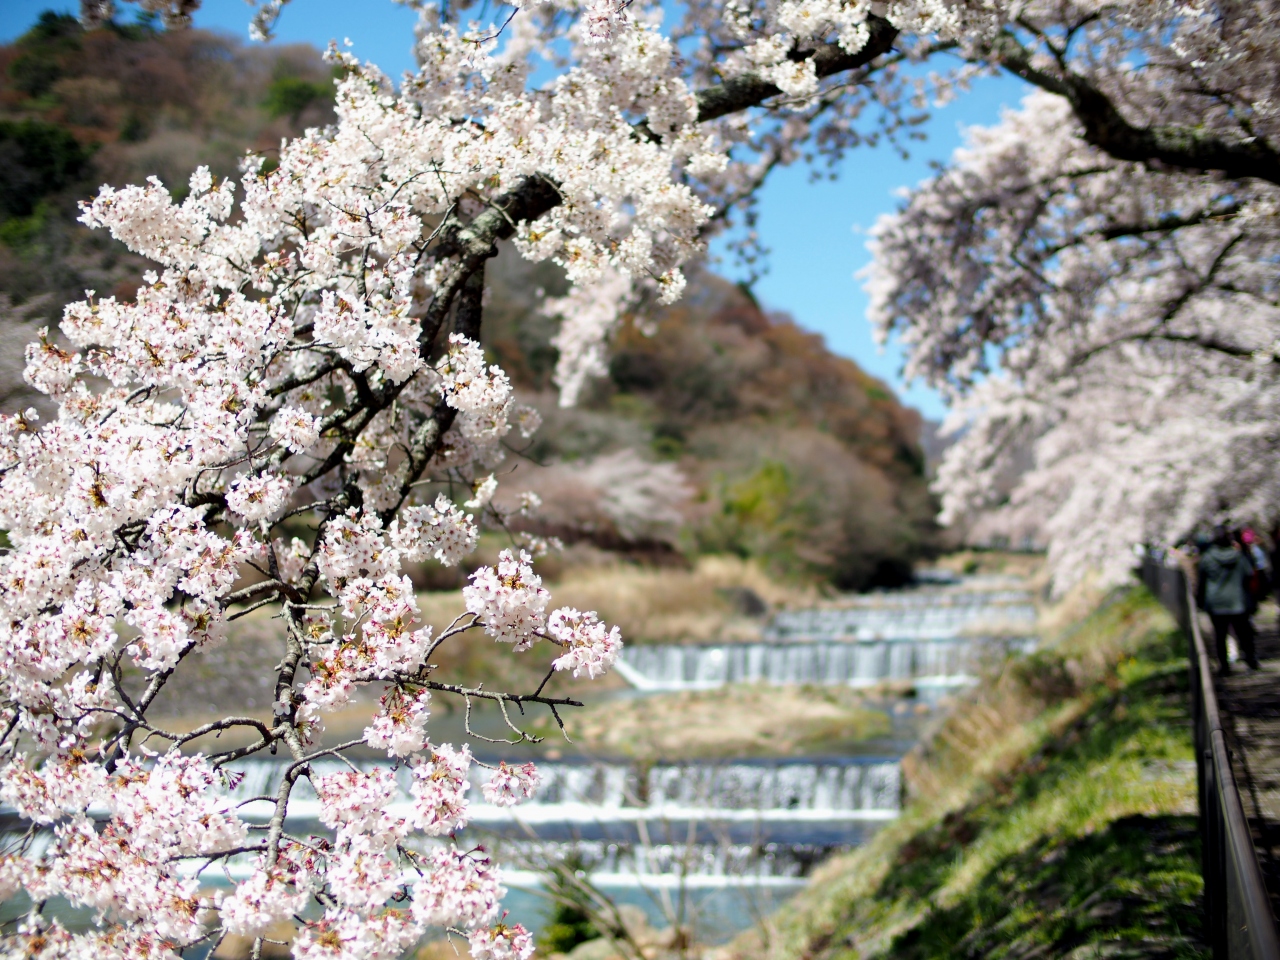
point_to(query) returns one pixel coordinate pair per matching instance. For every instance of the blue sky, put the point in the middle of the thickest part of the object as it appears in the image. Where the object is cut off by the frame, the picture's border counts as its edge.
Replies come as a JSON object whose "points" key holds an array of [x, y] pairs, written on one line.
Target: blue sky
{"points": [[816, 231]]}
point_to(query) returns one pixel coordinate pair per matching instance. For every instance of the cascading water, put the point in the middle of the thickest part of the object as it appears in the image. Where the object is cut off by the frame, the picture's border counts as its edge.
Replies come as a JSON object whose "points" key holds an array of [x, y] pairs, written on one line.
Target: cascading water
{"points": [[704, 824], [936, 636], [951, 662], [910, 617], [584, 797], [736, 832], [664, 865], [732, 822]]}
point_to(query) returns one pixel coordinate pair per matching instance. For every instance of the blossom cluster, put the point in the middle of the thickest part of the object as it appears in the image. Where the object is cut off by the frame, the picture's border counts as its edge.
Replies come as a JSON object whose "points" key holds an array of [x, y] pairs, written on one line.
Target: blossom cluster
{"points": [[509, 599], [283, 412], [511, 785], [591, 647], [276, 419]]}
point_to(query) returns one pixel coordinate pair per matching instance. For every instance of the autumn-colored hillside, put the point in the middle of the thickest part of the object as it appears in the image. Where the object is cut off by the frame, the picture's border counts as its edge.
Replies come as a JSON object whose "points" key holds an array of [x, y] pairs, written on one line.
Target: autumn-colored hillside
{"points": [[116, 105], [791, 453]]}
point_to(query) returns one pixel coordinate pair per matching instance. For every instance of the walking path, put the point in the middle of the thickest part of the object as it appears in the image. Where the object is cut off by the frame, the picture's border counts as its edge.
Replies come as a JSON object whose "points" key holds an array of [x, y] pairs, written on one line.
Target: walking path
{"points": [[1250, 704]]}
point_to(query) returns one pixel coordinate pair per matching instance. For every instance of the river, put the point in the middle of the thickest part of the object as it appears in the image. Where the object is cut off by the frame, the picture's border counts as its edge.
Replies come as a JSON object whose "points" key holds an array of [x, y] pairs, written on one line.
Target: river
{"points": [[722, 840]]}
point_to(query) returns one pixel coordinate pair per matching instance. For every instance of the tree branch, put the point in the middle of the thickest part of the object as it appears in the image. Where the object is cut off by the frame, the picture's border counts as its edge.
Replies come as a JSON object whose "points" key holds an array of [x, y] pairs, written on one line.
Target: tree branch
{"points": [[750, 90], [535, 195], [1186, 147]]}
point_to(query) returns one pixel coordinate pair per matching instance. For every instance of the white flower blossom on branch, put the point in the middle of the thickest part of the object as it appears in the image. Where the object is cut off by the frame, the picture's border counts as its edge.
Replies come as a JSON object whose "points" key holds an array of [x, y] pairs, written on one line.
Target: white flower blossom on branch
{"points": [[511, 785], [592, 647]]}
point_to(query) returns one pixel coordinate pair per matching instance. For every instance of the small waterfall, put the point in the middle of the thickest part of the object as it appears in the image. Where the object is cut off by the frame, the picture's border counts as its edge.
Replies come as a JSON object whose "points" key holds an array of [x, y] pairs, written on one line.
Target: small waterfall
{"points": [[934, 635], [659, 865], [702, 666], [922, 615], [703, 824], [829, 789]]}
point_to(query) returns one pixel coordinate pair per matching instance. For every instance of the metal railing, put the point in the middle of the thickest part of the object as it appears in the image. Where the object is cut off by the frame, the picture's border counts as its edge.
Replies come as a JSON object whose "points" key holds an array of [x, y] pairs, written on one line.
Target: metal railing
{"points": [[1238, 919]]}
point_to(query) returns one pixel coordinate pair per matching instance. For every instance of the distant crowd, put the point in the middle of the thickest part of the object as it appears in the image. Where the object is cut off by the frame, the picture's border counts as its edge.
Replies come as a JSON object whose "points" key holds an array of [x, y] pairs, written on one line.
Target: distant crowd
{"points": [[1234, 574]]}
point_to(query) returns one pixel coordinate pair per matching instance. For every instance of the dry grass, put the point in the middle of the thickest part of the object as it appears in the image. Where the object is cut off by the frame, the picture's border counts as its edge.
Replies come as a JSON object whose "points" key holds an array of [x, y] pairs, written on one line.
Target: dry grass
{"points": [[671, 606], [660, 605], [737, 721], [1029, 566]]}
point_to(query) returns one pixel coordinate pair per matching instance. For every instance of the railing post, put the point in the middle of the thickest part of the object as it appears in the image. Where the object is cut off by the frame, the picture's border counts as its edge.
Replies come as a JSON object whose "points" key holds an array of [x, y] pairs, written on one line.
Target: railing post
{"points": [[1238, 921]]}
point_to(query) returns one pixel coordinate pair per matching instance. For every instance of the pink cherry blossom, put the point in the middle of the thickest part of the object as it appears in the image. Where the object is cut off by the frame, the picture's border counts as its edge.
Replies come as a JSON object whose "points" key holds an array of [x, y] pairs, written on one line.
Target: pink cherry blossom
{"points": [[591, 646], [462, 889], [509, 599], [511, 785], [439, 786], [501, 942]]}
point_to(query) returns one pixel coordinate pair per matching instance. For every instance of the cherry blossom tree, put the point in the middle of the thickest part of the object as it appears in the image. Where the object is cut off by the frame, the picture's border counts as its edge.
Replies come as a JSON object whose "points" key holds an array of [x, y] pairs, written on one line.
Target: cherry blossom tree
{"points": [[1118, 318], [305, 353]]}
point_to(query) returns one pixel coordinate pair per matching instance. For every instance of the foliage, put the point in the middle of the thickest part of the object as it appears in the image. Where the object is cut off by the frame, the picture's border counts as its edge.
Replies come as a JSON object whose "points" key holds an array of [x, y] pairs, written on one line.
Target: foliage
{"points": [[289, 96], [37, 66], [570, 923], [780, 397], [36, 159], [756, 506], [733, 398]]}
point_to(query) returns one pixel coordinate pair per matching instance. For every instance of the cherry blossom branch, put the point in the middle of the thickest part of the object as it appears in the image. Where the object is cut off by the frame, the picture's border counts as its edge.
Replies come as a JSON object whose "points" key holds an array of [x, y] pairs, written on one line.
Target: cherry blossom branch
{"points": [[1105, 127], [516, 698]]}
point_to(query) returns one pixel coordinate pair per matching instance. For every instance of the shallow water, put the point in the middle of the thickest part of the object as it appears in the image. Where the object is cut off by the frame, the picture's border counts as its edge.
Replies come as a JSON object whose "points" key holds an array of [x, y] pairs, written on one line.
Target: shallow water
{"points": [[718, 843]]}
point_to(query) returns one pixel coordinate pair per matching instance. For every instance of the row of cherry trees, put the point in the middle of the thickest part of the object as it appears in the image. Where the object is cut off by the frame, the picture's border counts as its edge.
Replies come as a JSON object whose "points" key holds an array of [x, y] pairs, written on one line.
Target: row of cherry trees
{"points": [[305, 354], [1107, 302]]}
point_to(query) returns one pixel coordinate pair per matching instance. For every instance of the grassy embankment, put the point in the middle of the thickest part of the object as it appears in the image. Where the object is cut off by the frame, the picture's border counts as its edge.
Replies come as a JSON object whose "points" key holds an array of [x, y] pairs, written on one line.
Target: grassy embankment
{"points": [[1052, 815]]}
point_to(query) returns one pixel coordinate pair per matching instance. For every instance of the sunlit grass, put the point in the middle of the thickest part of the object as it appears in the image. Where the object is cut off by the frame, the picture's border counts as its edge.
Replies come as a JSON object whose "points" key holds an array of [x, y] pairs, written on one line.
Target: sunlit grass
{"points": [[1053, 812]]}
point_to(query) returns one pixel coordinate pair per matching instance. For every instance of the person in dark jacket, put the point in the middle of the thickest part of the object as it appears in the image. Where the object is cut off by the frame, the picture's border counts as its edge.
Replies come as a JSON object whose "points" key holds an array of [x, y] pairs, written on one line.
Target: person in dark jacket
{"points": [[1225, 570]]}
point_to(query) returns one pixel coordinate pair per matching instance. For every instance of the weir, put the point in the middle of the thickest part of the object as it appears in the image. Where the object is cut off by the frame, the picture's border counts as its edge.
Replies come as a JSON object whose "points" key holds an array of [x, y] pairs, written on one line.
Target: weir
{"points": [[949, 662], [930, 614], [666, 865], [934, 635], [592, 792], [725, 823], [728, 825]]}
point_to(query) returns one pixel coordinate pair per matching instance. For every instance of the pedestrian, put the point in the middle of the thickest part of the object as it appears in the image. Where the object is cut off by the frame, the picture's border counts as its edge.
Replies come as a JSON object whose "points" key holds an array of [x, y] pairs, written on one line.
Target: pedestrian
{"points": [[1224, 575], [1260, 582]]}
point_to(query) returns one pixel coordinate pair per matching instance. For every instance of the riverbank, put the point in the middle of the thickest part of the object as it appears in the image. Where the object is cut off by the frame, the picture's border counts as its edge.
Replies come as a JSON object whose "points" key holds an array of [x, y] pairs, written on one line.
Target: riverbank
{"points": [[743, 720], [1052, 814]]}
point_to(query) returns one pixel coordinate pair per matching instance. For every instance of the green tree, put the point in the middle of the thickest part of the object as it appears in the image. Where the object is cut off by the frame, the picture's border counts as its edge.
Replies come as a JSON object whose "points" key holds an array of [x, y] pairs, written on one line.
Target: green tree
{"points": [[36, 159], [289, 96]]}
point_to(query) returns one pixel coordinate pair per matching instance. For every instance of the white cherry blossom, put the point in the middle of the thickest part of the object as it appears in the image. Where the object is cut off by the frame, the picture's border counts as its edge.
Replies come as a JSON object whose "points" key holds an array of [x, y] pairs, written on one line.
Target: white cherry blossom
{"points": [[511, 785], [439, 789], [509, 599], [501, 942], [592, 647]]}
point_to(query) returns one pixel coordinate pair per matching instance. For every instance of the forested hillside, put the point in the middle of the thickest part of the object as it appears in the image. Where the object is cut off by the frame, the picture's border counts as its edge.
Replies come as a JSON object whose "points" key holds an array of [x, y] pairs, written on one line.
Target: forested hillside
{"points": [[731, 431], [787, 451], [116, 105]]}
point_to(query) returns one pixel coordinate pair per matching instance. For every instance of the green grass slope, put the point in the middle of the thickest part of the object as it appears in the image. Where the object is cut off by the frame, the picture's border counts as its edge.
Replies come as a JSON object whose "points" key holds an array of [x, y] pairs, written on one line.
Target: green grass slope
{"points": [[1052, 816]]}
